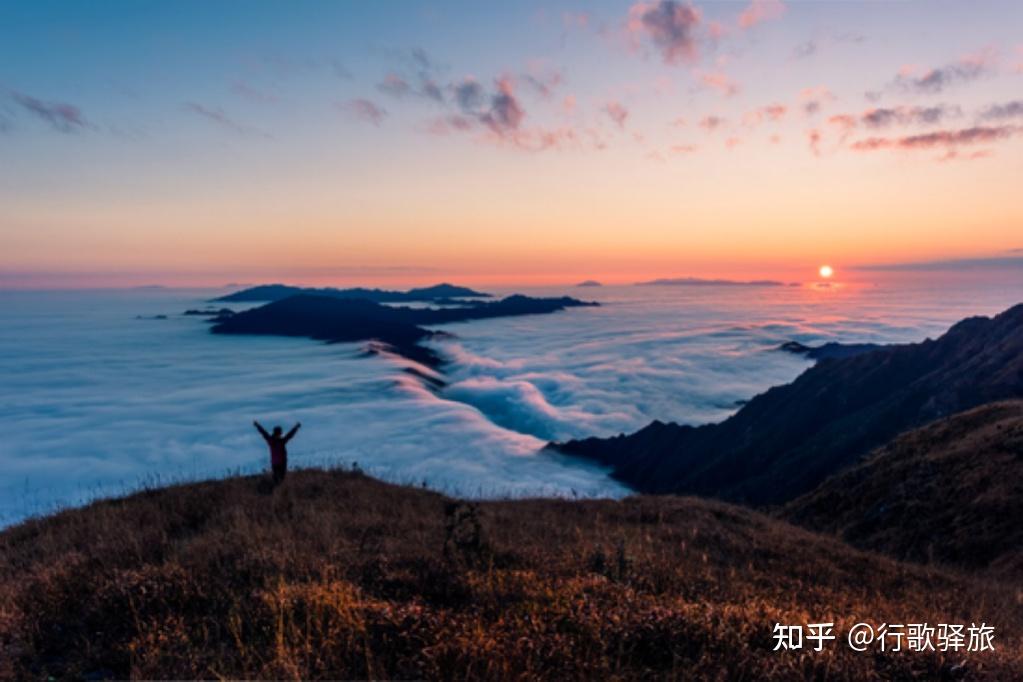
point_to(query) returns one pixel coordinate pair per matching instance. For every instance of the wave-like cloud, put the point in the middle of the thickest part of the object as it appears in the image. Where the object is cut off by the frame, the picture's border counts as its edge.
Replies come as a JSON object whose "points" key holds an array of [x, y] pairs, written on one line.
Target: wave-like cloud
{"points": [[118, 408]]}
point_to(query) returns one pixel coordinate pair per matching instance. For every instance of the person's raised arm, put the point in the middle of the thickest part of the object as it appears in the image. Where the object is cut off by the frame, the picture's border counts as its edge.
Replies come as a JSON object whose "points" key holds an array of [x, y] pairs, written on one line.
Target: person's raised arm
{"points": [[294, 430], [262, 431]]}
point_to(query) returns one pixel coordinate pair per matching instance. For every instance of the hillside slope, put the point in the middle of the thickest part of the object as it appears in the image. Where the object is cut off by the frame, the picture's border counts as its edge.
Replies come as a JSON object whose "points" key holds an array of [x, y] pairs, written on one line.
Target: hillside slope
{"points": [[787, 440], [950, 492], [335, 575]]}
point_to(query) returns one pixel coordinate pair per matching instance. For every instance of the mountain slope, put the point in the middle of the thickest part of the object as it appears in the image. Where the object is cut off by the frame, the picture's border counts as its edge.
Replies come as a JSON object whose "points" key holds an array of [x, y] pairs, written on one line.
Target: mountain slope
{"points": [[787, 440], [950, 492], [335, 575]]}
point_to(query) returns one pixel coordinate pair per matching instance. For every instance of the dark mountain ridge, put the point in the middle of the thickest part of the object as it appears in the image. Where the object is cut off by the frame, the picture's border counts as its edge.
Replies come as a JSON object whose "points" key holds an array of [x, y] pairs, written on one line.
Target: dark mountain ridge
{"points": [[432, 294], [787, 440], [338, 319]]}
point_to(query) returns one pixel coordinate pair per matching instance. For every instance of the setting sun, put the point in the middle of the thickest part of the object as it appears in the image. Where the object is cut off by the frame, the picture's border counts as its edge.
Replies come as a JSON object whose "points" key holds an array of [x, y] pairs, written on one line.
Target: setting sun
{"points": [[826, 271]]}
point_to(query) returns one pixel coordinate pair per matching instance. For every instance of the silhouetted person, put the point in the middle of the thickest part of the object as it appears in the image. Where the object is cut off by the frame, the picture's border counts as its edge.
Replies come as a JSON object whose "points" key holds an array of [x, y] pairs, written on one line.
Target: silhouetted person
{"points": [[278, 448]]}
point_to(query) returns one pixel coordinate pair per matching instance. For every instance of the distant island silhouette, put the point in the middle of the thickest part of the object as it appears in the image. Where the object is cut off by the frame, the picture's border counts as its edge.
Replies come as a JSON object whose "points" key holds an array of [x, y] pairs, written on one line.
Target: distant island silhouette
{"points": [[338, 319], [438, 293], [699, 282], [589, 283]]}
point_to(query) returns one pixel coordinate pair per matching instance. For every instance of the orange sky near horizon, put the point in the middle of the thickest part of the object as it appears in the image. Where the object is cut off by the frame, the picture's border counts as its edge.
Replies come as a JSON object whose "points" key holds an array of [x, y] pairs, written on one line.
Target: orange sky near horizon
{"points": [[603, 148]]}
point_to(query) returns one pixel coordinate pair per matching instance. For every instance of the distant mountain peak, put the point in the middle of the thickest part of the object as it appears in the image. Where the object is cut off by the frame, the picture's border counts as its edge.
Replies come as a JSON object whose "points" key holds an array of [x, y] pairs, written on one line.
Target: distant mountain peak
{"points": [[277, 292]]}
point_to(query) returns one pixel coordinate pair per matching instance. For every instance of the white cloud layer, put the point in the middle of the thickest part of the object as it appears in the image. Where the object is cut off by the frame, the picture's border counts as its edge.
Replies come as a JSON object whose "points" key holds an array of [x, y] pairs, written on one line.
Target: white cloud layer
{"points": [[94, 401]]}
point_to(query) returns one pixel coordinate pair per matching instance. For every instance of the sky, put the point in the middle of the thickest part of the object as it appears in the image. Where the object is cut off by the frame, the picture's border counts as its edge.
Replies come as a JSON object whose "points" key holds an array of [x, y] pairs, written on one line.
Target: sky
{"points": [[201, 143]]}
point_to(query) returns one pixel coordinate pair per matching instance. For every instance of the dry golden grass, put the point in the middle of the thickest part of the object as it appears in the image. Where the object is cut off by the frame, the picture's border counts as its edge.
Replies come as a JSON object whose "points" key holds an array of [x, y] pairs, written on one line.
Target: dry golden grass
{"points": [[336, 575], [947, 493]]}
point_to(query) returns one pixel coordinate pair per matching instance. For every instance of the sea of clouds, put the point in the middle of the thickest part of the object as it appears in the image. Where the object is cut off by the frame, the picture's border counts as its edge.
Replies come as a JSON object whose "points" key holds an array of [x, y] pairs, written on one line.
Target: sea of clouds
{"points": [[99, 397]]}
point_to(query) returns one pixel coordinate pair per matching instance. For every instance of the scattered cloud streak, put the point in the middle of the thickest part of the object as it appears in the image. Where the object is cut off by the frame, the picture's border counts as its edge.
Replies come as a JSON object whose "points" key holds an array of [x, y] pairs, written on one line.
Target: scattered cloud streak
{"points": [[771, 113], [219, 118], [884, 117], [815, 98], [394, 85], [246, 91], [805, 50], [933, 81], [365, 110], [944, 139], [496, 116], [1004, 111], [60, 116]]}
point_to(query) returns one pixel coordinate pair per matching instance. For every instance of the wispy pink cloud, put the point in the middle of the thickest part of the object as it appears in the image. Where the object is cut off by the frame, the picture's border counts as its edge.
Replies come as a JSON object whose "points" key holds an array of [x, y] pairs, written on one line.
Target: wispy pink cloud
{"points": [[543, 78], [394, 85], [576, 20], [769, 113], [364, 110], [845, 123], [617, 112], [760, 11], [721, 82], [814, 98], [956, 155], [813, 137], [711, 123]]}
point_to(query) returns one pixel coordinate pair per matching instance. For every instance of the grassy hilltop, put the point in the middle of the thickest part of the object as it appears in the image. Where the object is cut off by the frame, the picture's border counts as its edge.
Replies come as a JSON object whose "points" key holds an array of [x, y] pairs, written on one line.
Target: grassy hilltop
{"points": [[337, 575]]}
